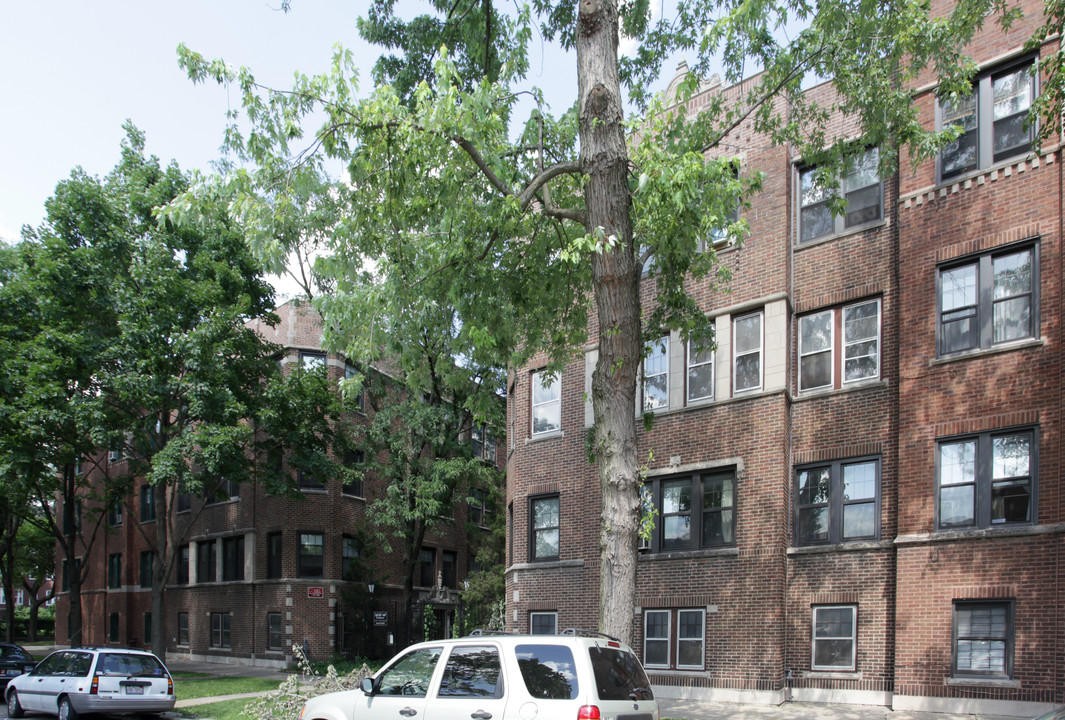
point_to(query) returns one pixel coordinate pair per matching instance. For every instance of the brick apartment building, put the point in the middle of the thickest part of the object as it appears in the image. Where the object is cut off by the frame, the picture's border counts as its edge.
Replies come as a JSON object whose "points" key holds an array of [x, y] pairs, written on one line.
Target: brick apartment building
{"points": [[859, 492], [259, 573]]}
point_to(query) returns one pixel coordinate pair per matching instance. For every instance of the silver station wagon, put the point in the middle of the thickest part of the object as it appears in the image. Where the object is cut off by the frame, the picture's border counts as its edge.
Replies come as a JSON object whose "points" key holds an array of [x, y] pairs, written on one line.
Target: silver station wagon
{"points": [[69, 683]]}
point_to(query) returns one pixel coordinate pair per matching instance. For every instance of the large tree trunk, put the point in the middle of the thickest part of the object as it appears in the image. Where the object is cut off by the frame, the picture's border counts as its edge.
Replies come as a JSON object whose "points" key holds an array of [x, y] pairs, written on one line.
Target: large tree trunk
{"points": [[616, 282], [76, 638], [161, 564]]}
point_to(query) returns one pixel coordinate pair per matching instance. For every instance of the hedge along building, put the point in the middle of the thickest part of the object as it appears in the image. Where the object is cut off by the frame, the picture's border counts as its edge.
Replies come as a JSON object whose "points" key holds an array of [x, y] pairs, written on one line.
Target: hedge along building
{"points": [[258, 573], [858, 493]]}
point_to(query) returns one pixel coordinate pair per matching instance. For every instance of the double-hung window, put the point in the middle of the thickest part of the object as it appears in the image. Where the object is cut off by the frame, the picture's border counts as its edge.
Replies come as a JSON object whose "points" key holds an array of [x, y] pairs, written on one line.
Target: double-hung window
{"points": [[114, 571], [700, 373], [544, 528], [427, 567], [747, 353], [274, 555], [674, 639], [206, 562], [656, 375], [349, 559], [182, 628], [861, 188], [311, 559], [183, 565], [839, 346], [354, 461], [273, 631], [220, 630], [983, 639], [835, 638], [695, 510], [988, 300], [987, 479], [546, 403], [147, 565], [233, 558], [838, 501], [147, 503], [992, 119]]}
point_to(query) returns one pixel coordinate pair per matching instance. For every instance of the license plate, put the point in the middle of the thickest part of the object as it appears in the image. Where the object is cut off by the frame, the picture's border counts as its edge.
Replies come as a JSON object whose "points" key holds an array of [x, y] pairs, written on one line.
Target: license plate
{"points": [[134, 689], [12, 671]]}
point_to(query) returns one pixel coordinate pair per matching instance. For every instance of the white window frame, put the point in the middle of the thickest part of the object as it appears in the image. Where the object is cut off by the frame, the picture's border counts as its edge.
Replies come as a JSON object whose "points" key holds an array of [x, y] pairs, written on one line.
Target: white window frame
{"points": [[691, 362], [556, 386], [667, 639], [553, 614], [831, 350], [838, 360], [853, 637], [651, 348], [701, 640], [847, 342], [760, 351]]}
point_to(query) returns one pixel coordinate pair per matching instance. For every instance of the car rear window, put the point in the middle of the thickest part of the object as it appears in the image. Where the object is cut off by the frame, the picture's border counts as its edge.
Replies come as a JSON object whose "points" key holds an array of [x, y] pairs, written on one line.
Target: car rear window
{"points": [[619, 675], [548, 671], [129, 665], [12, 652]]}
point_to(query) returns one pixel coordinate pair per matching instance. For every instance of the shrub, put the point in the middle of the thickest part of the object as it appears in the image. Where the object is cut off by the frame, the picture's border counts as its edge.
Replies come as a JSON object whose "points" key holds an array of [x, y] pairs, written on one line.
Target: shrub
{"points": [[286, 702]]}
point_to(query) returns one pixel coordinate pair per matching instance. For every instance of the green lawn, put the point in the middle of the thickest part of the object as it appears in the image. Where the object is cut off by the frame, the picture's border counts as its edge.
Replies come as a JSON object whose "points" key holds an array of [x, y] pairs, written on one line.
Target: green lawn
{"points": [[225, 710], [197, 685]]}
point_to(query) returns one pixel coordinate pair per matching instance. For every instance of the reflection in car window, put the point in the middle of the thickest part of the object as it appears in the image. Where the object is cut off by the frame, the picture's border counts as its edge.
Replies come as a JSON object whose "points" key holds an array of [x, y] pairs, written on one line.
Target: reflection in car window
{"points": [[548, 671], [618, 676], [50, 664], [472, 672], [79, 665], [12, 652], [410, 676], [129, 665]]}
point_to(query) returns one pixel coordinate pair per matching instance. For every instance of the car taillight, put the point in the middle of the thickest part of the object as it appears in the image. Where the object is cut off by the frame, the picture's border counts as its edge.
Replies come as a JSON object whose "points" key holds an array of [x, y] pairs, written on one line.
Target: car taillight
{"points": [[94, 689], [169, 685], [588, 712]]}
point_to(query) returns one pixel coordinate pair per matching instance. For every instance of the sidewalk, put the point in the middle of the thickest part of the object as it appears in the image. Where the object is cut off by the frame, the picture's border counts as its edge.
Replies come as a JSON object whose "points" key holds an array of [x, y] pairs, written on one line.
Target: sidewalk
{"points": [[693, 710]]}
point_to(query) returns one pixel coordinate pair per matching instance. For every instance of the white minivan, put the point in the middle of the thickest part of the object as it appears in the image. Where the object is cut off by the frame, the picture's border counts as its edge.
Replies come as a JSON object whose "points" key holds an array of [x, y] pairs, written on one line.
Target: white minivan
{"points": [[501, 677]]}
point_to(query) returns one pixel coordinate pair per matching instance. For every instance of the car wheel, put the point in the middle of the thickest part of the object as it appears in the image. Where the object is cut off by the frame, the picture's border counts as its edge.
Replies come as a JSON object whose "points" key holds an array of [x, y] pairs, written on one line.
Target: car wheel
{"points": [[14, 707], [66, 710]]}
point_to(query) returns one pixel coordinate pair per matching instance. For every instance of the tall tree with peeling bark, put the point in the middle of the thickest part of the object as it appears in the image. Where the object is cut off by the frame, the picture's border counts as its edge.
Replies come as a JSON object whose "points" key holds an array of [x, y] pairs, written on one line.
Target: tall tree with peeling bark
{"points": [[537, 230]]}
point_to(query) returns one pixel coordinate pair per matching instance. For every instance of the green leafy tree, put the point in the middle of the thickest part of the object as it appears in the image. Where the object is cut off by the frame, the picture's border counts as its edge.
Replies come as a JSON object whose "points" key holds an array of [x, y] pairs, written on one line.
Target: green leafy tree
{"points": [[417, 443], [163, 366], [56, 321], [34, 564], [537, 228]]}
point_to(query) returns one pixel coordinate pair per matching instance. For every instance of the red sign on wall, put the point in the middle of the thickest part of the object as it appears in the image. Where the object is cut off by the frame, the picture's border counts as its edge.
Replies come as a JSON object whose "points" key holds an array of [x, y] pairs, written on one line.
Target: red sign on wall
{"points": [[316, 592]]}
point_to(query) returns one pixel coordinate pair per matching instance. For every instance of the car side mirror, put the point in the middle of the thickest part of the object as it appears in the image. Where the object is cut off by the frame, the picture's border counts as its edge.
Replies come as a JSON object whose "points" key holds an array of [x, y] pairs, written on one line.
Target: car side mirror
{"points": [[368, 686]]}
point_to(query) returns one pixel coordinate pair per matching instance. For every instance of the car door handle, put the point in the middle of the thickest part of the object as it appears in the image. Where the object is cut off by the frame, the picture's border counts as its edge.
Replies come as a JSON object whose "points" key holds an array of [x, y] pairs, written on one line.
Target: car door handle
{"points": [[481, 715], [408, 712]]}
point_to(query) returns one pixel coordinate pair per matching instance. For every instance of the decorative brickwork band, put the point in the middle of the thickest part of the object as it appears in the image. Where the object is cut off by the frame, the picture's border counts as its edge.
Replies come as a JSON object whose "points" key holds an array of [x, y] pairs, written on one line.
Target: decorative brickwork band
{"points": [[543, 488], [838, 298], [984, 592], [992, 422], [839, 452], [988, 242], [931, 195], [837, 598]]}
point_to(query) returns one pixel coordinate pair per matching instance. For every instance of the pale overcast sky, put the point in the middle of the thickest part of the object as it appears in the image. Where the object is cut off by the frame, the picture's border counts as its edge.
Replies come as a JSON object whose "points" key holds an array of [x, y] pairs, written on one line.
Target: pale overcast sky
{"points": [[72, 71]]}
